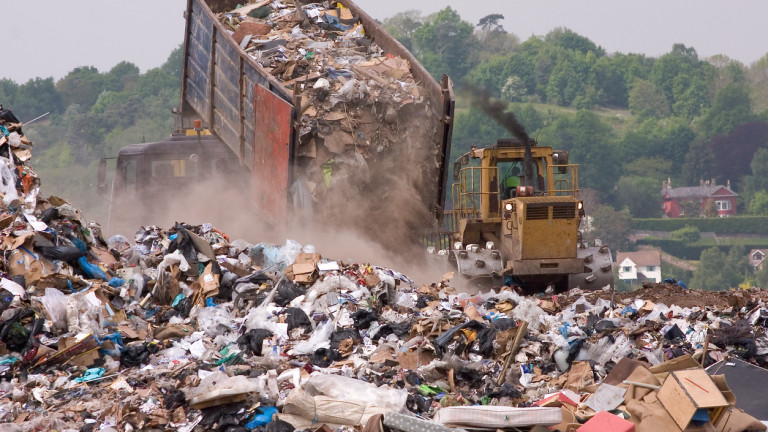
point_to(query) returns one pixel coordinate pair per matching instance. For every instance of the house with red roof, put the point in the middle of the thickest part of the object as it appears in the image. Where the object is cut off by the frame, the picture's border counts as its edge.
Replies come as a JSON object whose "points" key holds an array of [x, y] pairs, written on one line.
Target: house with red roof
{"points": [[706, 200]]}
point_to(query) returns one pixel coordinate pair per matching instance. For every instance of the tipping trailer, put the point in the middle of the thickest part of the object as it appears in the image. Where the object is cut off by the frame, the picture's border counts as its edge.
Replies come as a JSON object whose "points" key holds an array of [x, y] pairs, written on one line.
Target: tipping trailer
{"points": [[259, 117]]}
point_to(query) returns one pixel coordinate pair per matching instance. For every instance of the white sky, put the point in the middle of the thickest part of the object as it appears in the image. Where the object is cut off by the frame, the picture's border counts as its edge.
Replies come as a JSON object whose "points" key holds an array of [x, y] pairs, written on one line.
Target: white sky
{"points": [[51, 37]]}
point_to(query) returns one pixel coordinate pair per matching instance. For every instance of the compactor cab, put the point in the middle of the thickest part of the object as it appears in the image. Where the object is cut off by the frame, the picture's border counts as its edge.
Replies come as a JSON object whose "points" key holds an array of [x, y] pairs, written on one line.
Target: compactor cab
{"points": [[516, 216]]}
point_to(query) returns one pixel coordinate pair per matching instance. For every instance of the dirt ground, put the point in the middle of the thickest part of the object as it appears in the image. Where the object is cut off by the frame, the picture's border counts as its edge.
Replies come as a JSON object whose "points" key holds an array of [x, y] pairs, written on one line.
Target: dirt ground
{"points": [[673, 294]]}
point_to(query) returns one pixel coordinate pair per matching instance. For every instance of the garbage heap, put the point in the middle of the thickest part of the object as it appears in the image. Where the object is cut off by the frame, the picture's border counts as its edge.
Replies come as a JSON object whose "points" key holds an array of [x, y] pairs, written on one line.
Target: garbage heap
{"points": [[360, 109], [187, 329]]}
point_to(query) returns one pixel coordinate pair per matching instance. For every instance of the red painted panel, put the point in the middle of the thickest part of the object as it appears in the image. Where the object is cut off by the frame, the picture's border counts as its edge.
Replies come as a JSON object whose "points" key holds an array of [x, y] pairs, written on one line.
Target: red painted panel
{"points": [[271, 154]]}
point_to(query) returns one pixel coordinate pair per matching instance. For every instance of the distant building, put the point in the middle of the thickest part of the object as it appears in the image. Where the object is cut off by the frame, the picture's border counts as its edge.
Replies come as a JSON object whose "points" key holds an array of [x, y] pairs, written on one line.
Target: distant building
{"points": [[757, 258], [637, 267], [706, 200]]}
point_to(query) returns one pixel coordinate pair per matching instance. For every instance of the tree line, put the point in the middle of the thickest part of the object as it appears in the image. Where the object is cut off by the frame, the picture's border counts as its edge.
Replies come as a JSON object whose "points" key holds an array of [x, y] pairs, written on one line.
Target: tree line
{"points": [[630, 120], [92, 115]]}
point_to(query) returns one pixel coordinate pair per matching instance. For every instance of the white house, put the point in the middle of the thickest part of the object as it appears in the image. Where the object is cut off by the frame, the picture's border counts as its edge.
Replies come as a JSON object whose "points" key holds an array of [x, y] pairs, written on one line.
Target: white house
{"points": [[757, 258], [637, 267]]}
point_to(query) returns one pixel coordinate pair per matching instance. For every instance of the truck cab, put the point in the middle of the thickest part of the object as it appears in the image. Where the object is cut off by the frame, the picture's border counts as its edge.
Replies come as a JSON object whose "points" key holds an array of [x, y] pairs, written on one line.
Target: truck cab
{"points": [[152, 178]]}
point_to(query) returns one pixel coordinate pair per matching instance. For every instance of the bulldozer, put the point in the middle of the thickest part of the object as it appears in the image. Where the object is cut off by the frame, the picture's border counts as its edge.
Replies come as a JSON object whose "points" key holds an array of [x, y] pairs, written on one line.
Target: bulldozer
{"points": [[516, 220]]}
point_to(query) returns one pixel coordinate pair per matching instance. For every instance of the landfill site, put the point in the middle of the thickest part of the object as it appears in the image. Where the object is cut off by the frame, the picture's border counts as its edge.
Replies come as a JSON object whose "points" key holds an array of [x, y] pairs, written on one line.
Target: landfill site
{"points": [[187, 327]]}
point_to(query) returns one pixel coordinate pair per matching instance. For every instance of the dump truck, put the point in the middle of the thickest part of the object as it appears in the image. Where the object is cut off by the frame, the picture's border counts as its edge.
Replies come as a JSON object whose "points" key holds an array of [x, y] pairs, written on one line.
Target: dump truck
{"points": [[516, 220], [316, 113], [309, 107]]}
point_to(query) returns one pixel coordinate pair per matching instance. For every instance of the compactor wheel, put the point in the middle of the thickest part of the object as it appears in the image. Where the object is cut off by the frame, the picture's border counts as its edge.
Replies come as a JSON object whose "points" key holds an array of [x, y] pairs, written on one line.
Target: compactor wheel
{"points": [[598, 268]]}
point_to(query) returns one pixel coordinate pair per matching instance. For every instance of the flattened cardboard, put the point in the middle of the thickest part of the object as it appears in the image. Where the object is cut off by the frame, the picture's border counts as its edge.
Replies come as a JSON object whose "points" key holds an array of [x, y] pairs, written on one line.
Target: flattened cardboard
{"points": [[209, 282]]}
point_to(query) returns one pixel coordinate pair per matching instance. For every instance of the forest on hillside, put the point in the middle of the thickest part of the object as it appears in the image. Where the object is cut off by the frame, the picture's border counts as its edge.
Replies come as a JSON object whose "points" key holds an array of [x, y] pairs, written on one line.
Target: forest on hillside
{"points": [[630, 120]]}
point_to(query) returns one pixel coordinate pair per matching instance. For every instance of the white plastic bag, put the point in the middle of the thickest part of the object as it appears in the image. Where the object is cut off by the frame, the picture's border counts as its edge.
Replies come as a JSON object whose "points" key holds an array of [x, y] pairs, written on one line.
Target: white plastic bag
{"points": [[321, 338], [351, 389], [55, 303]]}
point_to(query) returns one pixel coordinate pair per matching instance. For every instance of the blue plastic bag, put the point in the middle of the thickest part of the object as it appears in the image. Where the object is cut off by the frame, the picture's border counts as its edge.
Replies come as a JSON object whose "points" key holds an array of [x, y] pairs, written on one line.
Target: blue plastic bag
{"points": [[91, 270], [263, 416]]}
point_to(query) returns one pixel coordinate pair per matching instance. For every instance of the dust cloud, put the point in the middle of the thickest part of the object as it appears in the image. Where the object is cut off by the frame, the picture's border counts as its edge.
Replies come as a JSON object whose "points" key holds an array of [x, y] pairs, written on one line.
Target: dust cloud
{"points": [[376, 210]]}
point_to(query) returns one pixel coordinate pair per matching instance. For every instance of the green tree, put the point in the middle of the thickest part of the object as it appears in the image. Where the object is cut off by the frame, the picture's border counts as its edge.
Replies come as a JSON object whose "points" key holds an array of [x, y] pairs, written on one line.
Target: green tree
{"points": [[402, 25], [35, 97], [688, 234], [594, 149], [474, 128], [123, 76], [731, 108], [81, 86], [568, 79], [639, 195], [491, 22], [514, 89], [758, 205], [758, 180], [667, 139], [611, 227], [710, 274], [761, 277], [737, 268], [572, 41], [655, 168], [175, 63], [444, 43], [646, 100], [699, 163], [8, 89]]}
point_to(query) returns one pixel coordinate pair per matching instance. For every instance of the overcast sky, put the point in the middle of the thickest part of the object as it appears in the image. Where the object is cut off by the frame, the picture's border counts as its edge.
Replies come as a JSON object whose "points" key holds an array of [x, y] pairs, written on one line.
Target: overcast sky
{"points": [[51, 37]]}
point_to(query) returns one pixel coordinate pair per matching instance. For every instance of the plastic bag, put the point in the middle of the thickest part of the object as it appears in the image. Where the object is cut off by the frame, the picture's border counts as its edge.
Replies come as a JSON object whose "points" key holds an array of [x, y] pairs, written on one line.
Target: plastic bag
{"points": [[91, 270], [214, 320], [173, 258], [345, 94], [289, 252], [321, 338], [55, 303], [8, 183], [351, 389], [68, 254], [118, 242], [14, 139], [261, 318], [84, 314]]}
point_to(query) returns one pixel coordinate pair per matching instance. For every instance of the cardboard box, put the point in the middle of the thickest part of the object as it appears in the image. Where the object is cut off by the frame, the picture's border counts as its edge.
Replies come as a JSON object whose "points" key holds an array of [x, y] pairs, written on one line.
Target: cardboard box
{"points": [[304, 269], [688, 393]]}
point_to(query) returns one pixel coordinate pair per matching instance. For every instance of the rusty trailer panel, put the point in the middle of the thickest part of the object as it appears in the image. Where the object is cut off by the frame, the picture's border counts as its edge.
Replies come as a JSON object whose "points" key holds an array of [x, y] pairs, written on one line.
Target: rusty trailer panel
{"points": [[272, 152]]}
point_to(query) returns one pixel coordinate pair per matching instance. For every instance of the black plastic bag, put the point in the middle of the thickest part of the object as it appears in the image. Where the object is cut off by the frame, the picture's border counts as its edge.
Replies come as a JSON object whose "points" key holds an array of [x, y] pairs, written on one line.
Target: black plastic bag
{"points": [[324, 357], [363, 318], [398, 329], [341, 335], [287, 291], [296, 318], [252, 340], [68, 254], [7, 116], [136, 355], [16, 335], [278, 426]]}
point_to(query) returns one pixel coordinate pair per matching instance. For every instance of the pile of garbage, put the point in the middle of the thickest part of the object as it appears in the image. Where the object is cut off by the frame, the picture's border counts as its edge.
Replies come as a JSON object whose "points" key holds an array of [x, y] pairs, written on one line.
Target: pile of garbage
{"points": [[358, 106], [188, 329]]}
